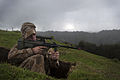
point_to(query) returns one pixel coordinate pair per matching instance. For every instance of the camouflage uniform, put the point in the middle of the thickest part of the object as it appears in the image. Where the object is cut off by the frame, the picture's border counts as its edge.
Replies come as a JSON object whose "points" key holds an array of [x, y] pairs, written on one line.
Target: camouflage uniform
{"points": [[25, 58], [41, 63]]}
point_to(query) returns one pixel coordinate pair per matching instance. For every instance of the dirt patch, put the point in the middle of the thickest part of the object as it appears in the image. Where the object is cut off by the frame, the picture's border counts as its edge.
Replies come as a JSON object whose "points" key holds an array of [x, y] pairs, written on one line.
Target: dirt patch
{"points": [[3, 54]]}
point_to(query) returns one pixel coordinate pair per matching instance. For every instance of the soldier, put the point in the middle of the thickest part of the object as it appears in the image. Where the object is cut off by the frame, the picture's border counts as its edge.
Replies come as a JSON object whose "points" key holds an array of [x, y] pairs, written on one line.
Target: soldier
{"points": [[38, 59], [31, 58]]}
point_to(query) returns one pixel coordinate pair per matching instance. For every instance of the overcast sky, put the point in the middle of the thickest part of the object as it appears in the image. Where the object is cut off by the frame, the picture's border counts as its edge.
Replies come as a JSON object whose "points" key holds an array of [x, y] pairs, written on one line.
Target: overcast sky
{"points": [[61, 15]]}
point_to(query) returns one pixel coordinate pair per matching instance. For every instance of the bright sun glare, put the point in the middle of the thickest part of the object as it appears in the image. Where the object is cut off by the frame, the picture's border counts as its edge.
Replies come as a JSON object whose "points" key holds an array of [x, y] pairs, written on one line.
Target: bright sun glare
{"points": [[69, 27]]}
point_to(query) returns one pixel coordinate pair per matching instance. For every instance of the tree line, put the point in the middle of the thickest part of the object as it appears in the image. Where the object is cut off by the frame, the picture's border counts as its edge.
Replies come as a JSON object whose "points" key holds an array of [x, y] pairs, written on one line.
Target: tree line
{"points": [[106, 50]]}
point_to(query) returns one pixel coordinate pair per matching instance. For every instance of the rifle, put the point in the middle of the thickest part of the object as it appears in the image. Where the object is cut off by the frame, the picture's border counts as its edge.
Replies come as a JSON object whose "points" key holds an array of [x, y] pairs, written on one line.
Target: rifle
{"points": [[23, 44]]}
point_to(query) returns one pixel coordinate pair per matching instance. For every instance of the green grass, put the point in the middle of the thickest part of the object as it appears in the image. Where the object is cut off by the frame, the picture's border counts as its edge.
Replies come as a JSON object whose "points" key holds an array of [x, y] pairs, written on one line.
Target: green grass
{"points": [[9, 38], [89, 66], [9, 72]]}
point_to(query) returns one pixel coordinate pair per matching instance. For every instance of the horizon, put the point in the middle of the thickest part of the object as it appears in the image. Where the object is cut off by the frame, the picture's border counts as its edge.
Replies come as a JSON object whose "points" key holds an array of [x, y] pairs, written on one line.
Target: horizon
{"points": [[65, 31]]}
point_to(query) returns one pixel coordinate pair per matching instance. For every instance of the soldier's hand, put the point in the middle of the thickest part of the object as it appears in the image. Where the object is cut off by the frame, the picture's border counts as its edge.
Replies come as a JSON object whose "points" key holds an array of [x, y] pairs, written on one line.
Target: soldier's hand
{"points": [[38, 49]]}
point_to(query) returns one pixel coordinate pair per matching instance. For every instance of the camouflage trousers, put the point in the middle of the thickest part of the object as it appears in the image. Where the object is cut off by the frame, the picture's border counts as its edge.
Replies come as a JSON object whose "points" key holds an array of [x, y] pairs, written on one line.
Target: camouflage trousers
{"points": [[39, 63], [34, 63]]}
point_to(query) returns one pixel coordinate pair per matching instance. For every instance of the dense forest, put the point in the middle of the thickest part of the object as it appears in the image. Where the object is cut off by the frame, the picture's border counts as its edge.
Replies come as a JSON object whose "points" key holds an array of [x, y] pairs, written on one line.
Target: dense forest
{"points": [[110, 51]]}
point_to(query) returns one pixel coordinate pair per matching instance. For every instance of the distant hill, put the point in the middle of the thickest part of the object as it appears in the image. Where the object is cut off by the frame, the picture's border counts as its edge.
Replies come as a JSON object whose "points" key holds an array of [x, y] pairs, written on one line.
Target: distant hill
{"points": [[102, 37]]}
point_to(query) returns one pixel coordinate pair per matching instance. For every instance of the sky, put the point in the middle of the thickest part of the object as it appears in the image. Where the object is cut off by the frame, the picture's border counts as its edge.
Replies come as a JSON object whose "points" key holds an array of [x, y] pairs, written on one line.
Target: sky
{"points": [[61, 15]]}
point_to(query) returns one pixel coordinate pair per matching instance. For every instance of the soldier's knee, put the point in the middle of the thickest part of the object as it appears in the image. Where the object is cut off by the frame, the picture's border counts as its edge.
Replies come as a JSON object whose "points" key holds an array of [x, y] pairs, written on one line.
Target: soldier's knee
{"points": [[37, 58]]}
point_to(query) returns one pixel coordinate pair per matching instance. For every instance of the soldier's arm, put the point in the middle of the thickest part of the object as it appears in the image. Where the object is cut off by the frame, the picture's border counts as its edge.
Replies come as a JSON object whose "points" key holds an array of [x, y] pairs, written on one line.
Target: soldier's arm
{"points": [[20, 54]]}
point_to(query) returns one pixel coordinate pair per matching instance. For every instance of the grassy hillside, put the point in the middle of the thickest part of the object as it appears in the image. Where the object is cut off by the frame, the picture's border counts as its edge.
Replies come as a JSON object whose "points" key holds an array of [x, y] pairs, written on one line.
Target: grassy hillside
{"points": [[9, 72], [9, 38], [89, 66]]}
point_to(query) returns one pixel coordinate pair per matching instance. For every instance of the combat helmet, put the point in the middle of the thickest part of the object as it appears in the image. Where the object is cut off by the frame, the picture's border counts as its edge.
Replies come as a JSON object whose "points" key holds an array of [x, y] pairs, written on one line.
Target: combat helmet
{"points": [[27, 29]]}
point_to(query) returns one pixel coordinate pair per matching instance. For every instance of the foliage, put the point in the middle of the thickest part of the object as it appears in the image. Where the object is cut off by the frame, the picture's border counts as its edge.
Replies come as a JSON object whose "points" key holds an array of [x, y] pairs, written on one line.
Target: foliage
{"points": [[110, 51]]}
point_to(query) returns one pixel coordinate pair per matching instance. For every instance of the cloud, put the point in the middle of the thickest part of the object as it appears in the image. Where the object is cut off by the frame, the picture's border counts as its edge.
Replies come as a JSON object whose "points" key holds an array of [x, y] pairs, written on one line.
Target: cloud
{"points": [[85, 15]]}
